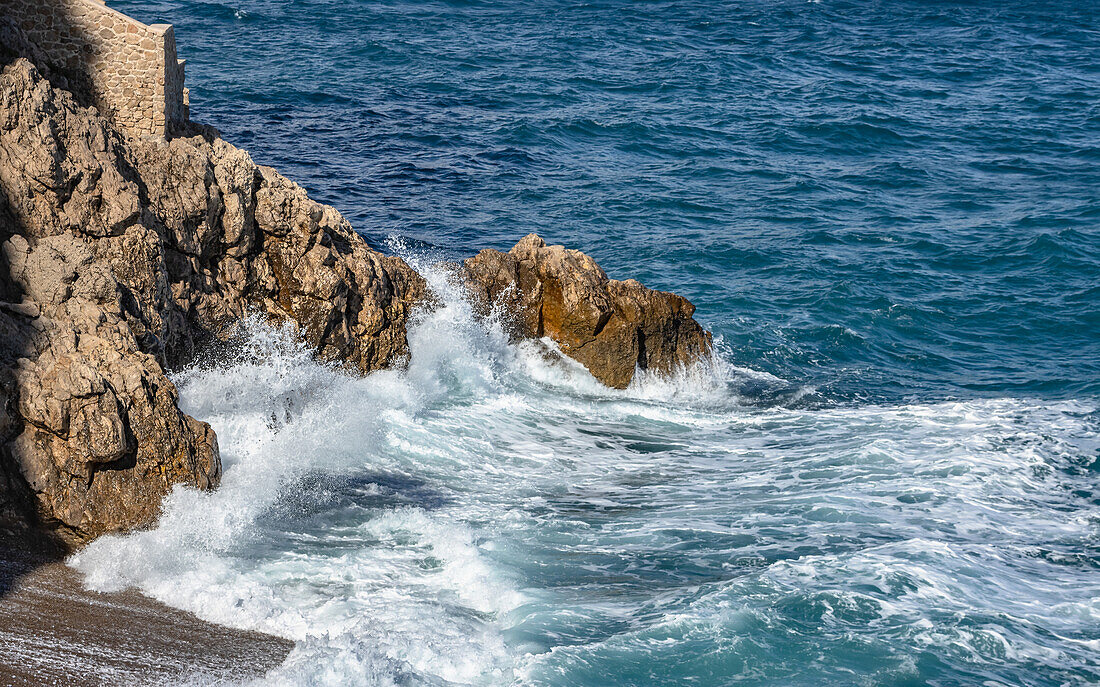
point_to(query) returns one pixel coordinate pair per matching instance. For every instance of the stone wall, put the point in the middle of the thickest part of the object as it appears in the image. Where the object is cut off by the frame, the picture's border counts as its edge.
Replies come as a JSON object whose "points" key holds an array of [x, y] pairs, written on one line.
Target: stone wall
{"points": [[126, 69]]}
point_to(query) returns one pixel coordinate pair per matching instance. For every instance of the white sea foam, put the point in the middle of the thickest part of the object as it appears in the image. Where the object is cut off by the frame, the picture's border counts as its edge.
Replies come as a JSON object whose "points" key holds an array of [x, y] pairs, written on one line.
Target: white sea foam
{"points": [[492, 514]]}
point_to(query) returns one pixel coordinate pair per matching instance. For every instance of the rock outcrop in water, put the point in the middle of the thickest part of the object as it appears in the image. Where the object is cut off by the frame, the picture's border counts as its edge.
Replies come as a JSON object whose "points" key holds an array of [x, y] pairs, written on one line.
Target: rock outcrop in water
{"points": [[611, 327], [123, 257]]}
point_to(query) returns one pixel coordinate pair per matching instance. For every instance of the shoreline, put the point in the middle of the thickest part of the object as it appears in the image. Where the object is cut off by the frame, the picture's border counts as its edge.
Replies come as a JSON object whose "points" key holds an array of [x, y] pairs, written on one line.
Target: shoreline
{"points": [[53, 631]]}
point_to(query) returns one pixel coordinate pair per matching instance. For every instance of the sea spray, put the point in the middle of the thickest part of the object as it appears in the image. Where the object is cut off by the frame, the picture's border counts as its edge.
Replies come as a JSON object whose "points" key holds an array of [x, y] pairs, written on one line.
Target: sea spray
{"points": [[297, 436], [492, 515], [889, 207]]}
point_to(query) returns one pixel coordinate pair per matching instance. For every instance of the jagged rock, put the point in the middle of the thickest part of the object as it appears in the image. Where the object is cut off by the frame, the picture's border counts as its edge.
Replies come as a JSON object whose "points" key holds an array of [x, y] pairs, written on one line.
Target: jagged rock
{"points": [[239, 237], [611, 327], [92, 437], [122, 257]]}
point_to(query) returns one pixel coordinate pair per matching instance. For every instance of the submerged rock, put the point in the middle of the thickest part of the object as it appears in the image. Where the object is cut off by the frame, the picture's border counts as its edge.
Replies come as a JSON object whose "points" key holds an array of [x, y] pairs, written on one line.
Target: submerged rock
{"points": [[611, 327]]}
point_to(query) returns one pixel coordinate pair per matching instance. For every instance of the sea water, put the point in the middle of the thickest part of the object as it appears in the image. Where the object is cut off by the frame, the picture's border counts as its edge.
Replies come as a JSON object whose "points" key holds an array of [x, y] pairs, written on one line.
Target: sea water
{"points": [[889, 215]]}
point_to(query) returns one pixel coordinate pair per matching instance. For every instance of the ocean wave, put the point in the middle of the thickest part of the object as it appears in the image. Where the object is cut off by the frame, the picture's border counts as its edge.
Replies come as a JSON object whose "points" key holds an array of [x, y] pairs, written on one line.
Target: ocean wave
{"points": [[492, 515]]}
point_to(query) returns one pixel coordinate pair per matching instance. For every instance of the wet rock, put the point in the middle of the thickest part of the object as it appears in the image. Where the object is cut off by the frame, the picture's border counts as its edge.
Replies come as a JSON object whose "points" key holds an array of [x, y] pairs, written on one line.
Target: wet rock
{"points": [[611, 327]]}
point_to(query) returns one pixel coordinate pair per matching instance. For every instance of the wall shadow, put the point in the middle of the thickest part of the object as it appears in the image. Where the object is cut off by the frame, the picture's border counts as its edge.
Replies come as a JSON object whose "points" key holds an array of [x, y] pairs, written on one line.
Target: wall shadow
{"points": [[15, 44], [24, 544]]}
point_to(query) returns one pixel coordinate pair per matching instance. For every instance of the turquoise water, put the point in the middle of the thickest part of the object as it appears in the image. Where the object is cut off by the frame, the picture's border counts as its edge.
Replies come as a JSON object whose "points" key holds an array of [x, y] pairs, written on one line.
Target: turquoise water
{"points": [[887, 212]]}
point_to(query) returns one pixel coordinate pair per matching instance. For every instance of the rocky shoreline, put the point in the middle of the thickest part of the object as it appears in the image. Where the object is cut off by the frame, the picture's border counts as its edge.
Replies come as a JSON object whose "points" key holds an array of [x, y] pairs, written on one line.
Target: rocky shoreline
{"points": [[55, 632], [125, 257]]}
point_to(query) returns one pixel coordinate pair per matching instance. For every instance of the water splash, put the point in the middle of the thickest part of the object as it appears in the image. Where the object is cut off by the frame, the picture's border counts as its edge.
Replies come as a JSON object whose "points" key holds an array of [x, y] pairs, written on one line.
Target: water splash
{"points": [[490, 515]]}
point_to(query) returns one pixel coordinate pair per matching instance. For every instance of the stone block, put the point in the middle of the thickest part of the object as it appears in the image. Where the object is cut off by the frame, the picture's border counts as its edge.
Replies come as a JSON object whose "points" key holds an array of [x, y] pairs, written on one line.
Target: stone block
{"points": [[132, 67]]}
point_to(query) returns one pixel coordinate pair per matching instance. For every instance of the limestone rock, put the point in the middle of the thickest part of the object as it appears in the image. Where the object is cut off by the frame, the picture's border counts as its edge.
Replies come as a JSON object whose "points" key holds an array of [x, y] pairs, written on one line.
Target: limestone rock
{"points": [[121, 257], [91, 435], [611, 327], [238, 237]]}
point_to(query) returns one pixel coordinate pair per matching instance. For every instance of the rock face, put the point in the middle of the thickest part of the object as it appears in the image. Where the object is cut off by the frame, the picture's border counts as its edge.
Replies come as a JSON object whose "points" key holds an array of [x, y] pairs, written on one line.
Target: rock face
{"points": [[611, 327], [238, 237], [123, 257], [92, 437]]}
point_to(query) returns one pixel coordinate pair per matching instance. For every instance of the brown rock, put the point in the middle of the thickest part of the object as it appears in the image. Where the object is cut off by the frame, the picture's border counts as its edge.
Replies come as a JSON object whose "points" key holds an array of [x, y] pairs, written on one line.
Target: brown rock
{"points": [[121, 256], [611, 327], [92, 438], [238, 237]]}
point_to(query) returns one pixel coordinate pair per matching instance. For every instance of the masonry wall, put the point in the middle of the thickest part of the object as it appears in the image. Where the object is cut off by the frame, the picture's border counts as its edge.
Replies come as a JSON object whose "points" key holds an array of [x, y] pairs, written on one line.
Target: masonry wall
{"points": [[129, 70]]}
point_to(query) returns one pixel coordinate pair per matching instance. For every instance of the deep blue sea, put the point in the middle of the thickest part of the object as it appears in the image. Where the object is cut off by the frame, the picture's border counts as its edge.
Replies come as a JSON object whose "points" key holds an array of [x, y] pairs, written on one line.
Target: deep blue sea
{"points": [[887, 212]]}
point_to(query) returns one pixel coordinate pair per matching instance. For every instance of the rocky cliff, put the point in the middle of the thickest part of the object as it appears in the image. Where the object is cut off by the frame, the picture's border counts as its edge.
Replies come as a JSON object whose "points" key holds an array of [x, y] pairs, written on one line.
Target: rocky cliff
{"points": [[123, 257]]}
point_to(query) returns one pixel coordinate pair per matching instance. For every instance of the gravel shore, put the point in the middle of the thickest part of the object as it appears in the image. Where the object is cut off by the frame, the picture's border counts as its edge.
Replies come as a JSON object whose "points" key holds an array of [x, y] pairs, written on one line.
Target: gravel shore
{"points": [[55, 632]]}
